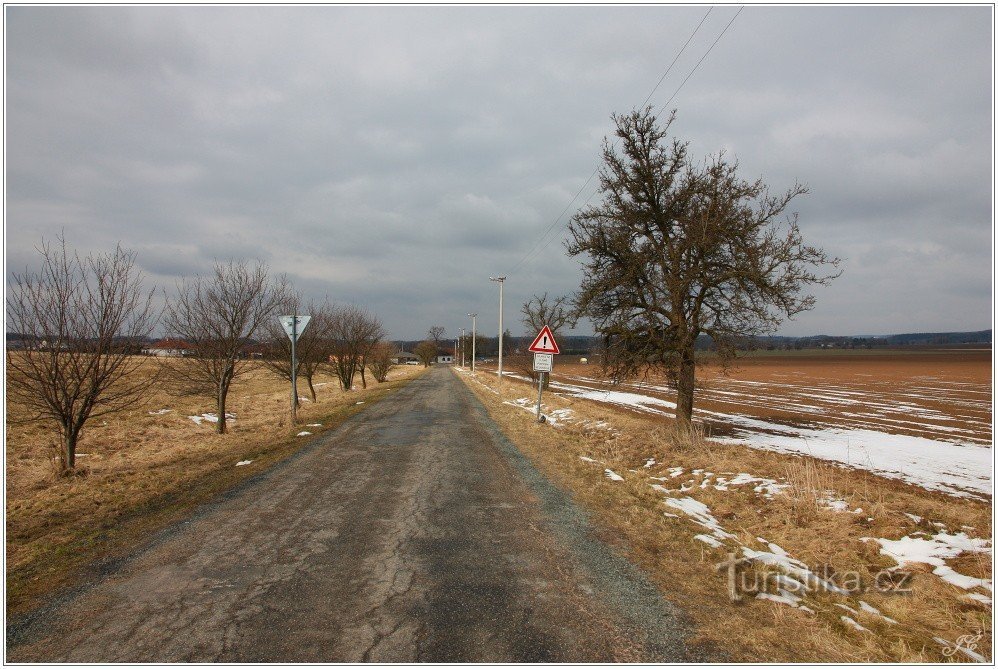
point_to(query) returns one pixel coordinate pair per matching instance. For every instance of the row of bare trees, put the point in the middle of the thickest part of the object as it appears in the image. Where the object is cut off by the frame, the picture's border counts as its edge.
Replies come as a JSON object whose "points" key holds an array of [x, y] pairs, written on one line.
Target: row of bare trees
{"points": [[83, 317]]}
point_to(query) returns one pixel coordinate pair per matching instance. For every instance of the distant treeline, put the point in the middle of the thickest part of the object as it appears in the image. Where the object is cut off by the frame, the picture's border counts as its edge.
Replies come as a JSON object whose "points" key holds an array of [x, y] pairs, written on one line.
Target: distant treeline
{"points": [[585, 345]]}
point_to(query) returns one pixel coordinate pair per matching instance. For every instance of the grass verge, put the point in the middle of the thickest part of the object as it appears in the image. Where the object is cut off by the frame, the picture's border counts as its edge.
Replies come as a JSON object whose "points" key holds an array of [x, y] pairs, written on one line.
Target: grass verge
{"points": [[145, 471], [795, 514]]}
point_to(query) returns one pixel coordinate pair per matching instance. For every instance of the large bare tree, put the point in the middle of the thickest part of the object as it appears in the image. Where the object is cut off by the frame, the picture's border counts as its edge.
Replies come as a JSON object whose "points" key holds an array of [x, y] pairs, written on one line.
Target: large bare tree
{"points": [[314, 345], [217, 315], [677, 250], [353, 332], [80, 318]]}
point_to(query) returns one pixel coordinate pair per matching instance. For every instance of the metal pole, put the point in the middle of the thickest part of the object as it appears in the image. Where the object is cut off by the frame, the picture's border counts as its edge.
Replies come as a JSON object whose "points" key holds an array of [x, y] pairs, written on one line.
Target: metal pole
{"points": [[501, 280], [462, 347], [540, 388], [294, 369], [473, 337]]}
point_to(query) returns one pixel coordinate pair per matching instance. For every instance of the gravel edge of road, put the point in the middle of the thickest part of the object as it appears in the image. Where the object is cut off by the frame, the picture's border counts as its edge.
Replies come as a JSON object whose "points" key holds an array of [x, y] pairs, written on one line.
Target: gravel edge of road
{"points": [[628, 590]]}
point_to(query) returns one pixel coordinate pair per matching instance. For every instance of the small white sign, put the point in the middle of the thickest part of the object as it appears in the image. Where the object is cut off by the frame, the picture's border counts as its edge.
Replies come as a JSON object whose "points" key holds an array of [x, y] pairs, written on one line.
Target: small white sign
{"points": [[293, 330], [543, 362]]}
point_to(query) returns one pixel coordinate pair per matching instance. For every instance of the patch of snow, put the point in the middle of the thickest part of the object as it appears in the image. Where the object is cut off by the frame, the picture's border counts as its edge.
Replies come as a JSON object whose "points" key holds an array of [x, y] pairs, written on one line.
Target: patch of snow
{"points": [[649, 462], [610, 474], [700, 514], [780, 599], [767, 487], [303, 433], [872, 610], [961, 470], [935, 551], [243, 462], [853, 624], [585, 459], [160, 412], [978, 597], [709, 540], [361, 402], [780, 560], [211, 417], [314, 425]]}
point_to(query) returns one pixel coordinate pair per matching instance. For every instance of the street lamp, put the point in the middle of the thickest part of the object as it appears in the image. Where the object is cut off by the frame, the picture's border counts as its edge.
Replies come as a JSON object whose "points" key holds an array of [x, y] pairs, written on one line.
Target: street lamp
{"points": [[500, 280], [462, 347], [473, 317]]}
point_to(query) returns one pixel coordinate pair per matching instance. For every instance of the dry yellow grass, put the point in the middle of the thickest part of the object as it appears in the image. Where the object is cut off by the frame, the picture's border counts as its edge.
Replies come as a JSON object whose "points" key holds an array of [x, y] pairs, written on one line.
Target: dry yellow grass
{"points": [[144, 471], [631, 513]]}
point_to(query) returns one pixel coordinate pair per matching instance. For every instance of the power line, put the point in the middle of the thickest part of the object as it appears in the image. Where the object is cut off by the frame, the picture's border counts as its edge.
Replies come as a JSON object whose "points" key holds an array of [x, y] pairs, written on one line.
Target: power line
{"points": [[553, 225], [541, 243], [704, 56]]}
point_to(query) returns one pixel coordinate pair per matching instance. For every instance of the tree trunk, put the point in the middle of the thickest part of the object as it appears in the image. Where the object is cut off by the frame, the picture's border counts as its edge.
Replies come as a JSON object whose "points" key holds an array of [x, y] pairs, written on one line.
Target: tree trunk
{"points": [[311, 388], [363, 378], [223, 391], [685, 385], [69, 437]]}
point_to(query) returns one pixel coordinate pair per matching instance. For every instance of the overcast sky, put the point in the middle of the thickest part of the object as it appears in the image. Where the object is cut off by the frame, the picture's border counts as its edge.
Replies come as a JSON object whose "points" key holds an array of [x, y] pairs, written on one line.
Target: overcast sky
{"points": [[396, 157]]}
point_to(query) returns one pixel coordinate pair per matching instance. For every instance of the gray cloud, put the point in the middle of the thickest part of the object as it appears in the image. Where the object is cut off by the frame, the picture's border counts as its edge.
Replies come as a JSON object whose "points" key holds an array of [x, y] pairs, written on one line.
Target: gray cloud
{"points": [[395, 157]]}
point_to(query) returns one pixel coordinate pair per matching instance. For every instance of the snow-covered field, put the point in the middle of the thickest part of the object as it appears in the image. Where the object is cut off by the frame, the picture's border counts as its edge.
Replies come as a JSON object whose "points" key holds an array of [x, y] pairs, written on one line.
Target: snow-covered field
{"points": [[929, 430]]}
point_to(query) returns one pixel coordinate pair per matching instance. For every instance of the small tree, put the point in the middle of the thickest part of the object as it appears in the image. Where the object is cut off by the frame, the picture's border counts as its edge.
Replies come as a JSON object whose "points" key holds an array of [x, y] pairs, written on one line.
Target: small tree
{"points": [[353, 332], [217, 315], [436, 334], [426, 351], [82, 318], [556, 313], [676, 250], [380, 360]]}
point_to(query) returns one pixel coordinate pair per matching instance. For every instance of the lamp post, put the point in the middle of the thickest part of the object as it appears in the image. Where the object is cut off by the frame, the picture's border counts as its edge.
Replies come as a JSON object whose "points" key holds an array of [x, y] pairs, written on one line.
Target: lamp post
{"points": [[473, 317], [462, 347], [500, 280]]}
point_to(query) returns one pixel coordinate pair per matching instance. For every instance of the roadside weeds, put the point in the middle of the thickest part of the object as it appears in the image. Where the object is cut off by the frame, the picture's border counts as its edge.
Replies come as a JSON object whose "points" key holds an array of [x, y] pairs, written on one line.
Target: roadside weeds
{"points": [[146, 470], [800, 518]]}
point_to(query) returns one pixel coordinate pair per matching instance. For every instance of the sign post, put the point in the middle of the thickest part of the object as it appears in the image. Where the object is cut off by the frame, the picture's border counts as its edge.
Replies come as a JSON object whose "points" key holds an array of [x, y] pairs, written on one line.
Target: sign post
{"points": [[294, 325], [544, 349]]}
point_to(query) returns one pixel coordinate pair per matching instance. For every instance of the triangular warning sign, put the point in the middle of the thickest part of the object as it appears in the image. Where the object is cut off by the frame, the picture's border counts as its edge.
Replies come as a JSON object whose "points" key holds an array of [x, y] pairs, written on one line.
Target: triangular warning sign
{"points": [[544, 343]]}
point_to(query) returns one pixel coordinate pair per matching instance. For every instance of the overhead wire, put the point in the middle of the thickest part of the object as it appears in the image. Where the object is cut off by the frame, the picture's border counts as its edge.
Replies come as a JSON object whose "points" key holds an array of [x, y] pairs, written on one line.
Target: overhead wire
{"points": [[542, 242], [535, 248]]}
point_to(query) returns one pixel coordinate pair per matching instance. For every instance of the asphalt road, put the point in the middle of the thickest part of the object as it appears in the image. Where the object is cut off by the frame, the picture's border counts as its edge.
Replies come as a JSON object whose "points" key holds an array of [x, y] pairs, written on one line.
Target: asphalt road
{"points": [[414, 532]]}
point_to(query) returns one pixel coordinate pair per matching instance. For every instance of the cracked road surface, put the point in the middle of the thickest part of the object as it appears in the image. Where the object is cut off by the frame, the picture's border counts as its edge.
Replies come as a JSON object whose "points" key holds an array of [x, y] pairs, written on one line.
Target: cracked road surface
{"points": [[414, 532]]}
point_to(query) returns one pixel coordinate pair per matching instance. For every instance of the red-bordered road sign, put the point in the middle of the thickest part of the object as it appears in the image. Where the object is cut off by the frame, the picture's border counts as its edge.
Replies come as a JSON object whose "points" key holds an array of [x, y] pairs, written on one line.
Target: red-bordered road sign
{"points": [[544, 343]]}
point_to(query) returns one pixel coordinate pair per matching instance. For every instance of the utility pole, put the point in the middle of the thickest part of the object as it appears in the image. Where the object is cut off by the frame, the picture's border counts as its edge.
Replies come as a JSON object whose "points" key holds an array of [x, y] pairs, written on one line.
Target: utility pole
{"points": [[500, 280], [294, 368], [462, 347], [473, 336]]}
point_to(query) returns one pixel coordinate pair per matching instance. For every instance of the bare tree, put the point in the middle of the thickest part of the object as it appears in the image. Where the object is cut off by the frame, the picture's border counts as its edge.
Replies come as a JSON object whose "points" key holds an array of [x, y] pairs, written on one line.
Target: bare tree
{"points": [[677, 250], [217, 315], [82, 318], [436, 334], [426, 351], [380, 360], [555, 313], [314, 345], [353, 332]]}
